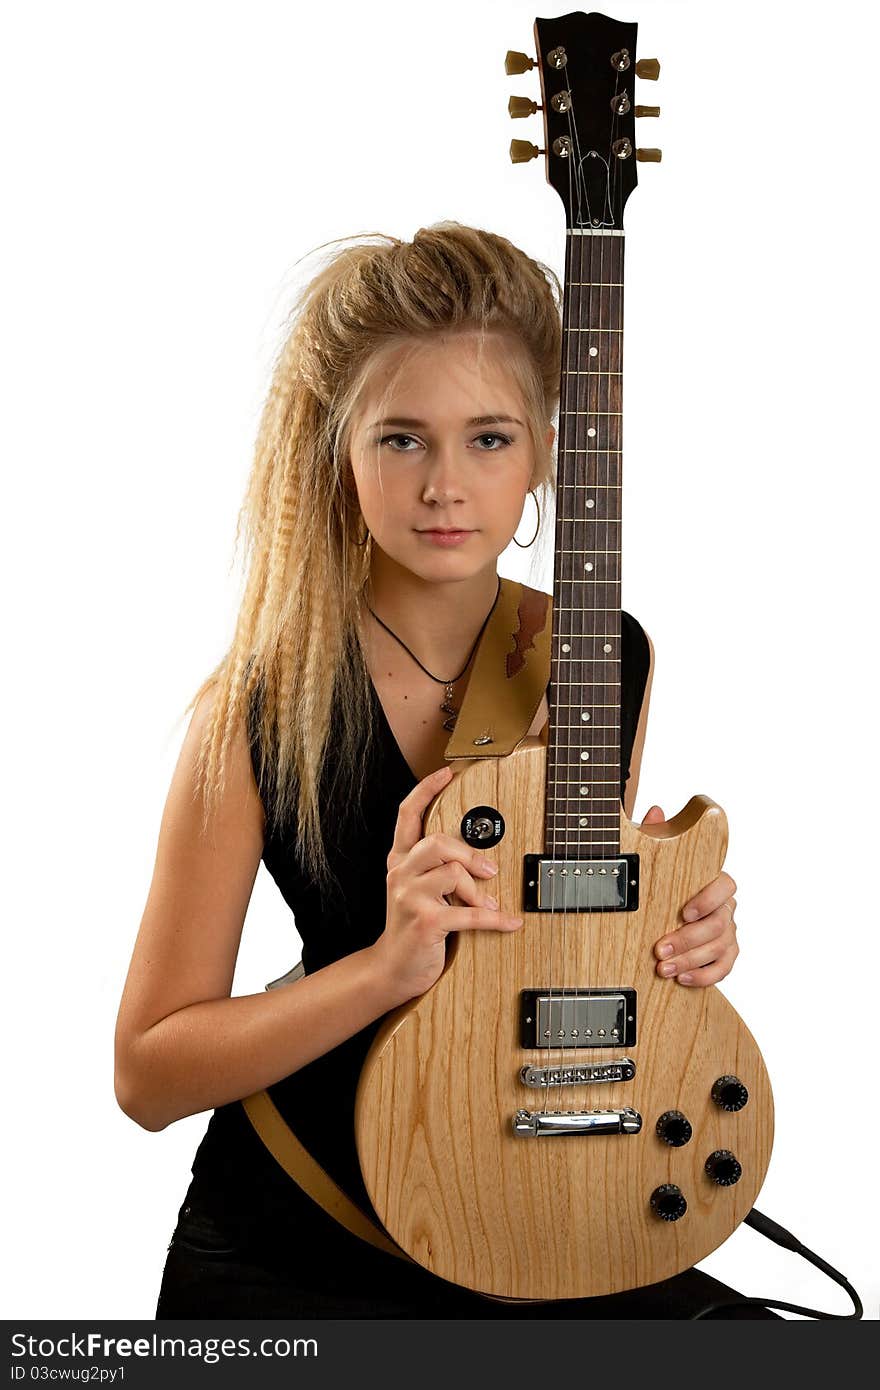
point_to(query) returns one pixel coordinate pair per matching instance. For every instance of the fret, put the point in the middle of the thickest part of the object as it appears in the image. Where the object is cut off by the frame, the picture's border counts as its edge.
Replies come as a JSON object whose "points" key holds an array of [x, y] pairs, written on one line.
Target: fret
{"points": [[597, 371], [597, 284], [592, 412], [586, 451], [592, 330], [593, 231]]}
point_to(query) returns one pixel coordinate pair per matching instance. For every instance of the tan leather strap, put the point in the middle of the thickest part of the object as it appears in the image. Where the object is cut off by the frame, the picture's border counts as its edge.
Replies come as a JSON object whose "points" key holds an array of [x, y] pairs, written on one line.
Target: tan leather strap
{"points": [[296, 1160], [509, 676]]}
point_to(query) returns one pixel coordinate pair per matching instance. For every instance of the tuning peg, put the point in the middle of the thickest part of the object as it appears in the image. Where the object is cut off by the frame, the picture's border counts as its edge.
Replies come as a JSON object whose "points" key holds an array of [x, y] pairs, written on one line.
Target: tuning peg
{"points": [[521, 151], [646, 110], [517, 62], [521, 106], [649, 156], [649, 68]]}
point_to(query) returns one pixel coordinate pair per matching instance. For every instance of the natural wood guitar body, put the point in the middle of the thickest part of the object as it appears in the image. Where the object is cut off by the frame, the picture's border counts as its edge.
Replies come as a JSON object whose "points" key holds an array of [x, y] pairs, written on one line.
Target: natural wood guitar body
{"points": [[559, 1217]]}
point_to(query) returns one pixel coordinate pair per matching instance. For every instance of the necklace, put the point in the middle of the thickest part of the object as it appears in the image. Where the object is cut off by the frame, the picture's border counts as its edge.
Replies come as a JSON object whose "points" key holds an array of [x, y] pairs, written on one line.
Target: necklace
{"points": [[447, 707]]}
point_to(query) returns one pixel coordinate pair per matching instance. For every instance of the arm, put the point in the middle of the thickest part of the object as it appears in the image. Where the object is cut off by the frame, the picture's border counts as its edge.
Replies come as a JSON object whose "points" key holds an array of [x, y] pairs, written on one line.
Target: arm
{"points": [[182, 1045]]}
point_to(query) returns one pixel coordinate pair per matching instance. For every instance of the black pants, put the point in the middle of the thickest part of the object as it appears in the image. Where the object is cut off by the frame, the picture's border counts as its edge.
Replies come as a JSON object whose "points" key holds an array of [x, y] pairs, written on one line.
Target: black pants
{"points": [[214, 1271]]}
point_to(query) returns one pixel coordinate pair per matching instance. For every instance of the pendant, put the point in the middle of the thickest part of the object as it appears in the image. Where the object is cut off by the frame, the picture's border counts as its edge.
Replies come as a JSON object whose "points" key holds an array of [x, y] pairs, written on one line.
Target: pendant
{"points": [[449, 709]]}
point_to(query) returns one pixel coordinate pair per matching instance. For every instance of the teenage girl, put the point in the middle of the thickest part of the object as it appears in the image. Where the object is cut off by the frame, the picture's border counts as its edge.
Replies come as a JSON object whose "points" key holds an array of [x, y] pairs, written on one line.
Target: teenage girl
{"points": [[408, 419]]}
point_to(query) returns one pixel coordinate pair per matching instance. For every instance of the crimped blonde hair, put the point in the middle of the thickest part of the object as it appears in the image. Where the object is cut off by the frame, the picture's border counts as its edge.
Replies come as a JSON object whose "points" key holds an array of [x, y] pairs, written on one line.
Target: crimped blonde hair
{"points": [[296, 644]]}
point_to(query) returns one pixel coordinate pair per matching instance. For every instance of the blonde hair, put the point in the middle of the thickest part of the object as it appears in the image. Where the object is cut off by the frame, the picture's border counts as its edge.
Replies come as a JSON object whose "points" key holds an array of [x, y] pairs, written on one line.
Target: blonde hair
{"points": [[295, 657]]}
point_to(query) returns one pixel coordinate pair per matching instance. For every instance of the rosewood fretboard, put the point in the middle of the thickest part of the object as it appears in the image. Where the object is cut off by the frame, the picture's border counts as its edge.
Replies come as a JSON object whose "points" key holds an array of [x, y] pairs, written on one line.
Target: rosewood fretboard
{"points": [[583, 757]]}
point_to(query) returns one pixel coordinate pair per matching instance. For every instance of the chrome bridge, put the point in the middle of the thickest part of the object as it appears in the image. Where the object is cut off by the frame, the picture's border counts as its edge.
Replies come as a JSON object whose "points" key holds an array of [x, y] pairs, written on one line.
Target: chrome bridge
{"points": [[540, 1124], [580, 885], [579, 1074]]}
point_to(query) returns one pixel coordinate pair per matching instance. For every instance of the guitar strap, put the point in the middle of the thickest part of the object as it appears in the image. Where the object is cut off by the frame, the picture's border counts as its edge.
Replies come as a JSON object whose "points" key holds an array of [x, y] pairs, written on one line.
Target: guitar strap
{"points": [[500, 704]]}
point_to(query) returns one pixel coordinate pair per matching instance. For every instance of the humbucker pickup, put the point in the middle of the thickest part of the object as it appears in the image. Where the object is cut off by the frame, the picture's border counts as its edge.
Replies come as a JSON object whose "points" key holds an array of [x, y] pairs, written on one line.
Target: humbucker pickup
{"points": [[552, 1018], [580, 885]]}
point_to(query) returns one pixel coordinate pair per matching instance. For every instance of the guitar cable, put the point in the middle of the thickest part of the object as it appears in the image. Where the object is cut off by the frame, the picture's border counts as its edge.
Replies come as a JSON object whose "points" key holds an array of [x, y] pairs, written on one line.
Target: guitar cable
{"points": [[780, 1236]]}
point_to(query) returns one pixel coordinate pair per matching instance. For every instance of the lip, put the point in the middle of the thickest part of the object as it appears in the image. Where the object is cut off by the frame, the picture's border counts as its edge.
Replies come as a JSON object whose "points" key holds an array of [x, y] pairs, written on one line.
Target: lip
{"points": [[445, 536]]}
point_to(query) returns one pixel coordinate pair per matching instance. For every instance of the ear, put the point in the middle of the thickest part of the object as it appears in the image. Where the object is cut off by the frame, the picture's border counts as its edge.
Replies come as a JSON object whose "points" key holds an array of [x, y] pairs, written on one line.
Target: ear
{"points": [[550, 436]]}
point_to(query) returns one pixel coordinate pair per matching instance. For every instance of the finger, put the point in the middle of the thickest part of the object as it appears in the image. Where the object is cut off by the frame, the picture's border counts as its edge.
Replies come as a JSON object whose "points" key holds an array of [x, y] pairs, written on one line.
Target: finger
{"points": [[476, 918], [708, 898], [453, 877], [408, 829], [690, 960], [711, 974], [440, 848], [714, 927]]}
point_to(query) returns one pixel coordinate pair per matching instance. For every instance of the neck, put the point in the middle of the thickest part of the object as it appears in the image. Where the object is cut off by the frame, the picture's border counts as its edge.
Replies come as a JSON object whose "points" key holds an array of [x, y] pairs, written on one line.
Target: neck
{"points": [[438, 620]]}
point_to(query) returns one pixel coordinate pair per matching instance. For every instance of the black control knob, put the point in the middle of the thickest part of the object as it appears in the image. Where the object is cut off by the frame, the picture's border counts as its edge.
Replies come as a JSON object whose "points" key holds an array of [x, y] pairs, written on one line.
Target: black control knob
{"points": [[668, 1202], [674, 1128], [724, 1168], [730, 1093]]}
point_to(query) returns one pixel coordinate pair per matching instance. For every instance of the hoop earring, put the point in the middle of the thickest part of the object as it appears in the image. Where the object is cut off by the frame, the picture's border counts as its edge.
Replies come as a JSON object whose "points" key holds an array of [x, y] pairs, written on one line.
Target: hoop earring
{"points": [[537, 528], [366, 536]]}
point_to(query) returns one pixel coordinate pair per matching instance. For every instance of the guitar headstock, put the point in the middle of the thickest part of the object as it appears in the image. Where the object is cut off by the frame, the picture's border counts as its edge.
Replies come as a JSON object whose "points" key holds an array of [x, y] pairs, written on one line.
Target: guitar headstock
{"points": [[587, 68]]}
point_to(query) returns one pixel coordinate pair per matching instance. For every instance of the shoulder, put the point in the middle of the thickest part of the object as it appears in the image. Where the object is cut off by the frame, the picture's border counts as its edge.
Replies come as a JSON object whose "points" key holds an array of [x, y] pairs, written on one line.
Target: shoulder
{"points": [[636, 644]]}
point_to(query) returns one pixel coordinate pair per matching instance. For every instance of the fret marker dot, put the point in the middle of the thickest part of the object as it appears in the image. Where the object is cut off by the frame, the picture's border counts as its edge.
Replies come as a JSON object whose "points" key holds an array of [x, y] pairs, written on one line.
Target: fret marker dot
{"points": [[583, 791], [566, 646], [583, 821], [591, 501], [607, 647], [591, 433], [585, 757], [588, 565], [594, 352], [585, 717]]}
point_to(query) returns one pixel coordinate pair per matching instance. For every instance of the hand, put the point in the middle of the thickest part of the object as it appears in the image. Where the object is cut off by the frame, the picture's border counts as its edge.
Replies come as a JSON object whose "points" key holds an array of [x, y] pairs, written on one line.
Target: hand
{"points": [[702, 951], [422, 873]]}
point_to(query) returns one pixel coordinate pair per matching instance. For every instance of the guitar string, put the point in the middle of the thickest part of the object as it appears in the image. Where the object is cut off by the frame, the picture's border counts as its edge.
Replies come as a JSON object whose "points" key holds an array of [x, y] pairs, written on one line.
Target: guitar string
{"points": [[570, 477], [608, 568]]}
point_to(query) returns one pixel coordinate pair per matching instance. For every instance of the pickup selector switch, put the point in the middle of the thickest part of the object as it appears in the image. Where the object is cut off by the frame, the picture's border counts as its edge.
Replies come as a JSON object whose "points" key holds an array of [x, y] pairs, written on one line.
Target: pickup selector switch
{"points": [[674, 1128], [729, 1093], [668, 1202], [724, 1168]]}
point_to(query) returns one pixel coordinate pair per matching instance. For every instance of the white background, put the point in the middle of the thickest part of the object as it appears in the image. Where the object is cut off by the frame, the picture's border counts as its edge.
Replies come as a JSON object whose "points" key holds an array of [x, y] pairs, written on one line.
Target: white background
{"points": [[166, 167]]}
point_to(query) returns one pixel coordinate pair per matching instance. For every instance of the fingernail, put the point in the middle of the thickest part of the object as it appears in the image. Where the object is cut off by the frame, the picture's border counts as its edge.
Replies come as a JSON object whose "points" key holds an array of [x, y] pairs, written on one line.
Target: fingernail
{"points": [[493, 902], [691, 914], [685, 979], [488, 867], [517, 921], [669, 969], [666, 950]]}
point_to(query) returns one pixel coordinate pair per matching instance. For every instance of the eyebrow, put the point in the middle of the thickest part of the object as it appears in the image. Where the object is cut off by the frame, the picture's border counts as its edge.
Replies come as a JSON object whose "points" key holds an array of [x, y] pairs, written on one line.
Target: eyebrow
{"points": [[411, 424]]}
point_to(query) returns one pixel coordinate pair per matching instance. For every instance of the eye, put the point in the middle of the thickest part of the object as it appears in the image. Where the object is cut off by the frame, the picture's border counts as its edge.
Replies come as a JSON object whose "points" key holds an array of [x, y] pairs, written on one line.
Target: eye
{"points": [[505, 440], [386, 438]]}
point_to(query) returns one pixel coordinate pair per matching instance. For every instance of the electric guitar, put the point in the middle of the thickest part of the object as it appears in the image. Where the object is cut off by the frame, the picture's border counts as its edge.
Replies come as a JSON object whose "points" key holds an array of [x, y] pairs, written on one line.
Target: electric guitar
{"points": [[552, 1119]]}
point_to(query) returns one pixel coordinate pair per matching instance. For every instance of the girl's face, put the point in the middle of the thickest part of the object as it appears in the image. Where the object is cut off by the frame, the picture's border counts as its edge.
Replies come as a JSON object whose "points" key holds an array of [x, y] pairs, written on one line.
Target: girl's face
{"points": [[447, 450]]}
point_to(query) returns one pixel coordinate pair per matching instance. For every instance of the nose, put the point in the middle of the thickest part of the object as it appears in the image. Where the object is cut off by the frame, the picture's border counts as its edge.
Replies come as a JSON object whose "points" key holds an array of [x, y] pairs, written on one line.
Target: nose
{"points": [[444, 481]]}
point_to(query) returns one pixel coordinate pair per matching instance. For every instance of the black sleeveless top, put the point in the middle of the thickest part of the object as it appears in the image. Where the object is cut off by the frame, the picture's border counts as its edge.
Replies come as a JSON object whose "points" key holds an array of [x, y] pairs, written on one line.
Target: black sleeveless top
{"points": [[233, 1173]]}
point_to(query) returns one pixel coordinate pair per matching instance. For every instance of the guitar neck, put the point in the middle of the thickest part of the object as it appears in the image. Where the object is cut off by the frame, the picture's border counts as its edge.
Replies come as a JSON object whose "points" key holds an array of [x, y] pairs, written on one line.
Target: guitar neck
{"points": [[582, 816]]}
